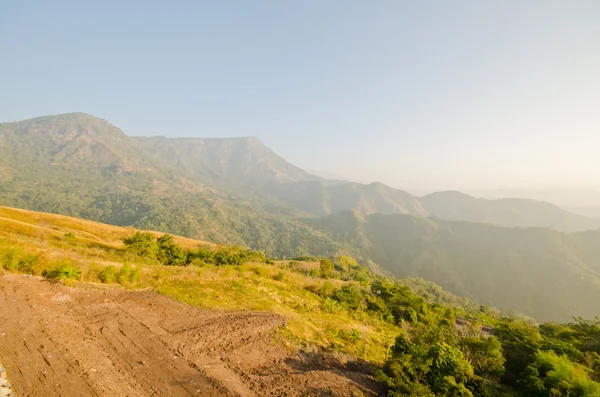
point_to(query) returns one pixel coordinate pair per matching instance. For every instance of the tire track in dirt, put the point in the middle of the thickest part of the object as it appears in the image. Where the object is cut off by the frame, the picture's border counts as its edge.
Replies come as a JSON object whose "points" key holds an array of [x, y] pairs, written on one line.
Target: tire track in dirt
{"points": [[98, 341]]}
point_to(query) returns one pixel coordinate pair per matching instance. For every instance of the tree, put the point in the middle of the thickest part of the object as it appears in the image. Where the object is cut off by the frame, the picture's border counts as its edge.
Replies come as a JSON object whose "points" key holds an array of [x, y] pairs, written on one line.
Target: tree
{"points": [[169, 253], [484, 354], [449, 370], [557, 376], [520, 342], [142, 244]]}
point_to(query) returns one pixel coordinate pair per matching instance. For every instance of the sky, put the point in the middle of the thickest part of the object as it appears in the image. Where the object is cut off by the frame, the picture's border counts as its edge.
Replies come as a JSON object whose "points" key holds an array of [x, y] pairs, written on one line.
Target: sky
{"points": [[424, 95]]}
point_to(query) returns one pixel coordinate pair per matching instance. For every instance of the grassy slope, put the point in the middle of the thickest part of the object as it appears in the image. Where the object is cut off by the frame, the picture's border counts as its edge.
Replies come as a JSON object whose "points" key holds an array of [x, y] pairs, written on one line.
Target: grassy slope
{"points": [[276, 288]]}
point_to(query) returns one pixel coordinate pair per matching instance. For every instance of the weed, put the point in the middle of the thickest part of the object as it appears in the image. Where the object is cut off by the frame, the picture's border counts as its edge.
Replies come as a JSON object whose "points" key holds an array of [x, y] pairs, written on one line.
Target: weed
{"points": [[123, 277], [63, 271], [279, 276], [108, 274]]}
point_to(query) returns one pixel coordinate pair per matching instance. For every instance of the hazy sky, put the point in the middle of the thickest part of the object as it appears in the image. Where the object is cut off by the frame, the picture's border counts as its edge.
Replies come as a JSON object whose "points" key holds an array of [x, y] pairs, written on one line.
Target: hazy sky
{"points": [[421, 94]]}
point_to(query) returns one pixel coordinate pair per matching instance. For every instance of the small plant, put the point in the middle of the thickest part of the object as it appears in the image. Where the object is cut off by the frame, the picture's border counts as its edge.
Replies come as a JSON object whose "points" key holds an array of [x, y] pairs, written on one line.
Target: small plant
{"points": [[63, 271], [123, 277], [9, 258], [279, 276], [134, 276], [108, 274], [69, 238], [331, 306]]}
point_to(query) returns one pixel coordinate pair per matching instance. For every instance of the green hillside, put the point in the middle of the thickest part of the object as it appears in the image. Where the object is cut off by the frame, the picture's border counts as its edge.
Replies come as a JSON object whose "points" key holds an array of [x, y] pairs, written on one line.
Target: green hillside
{"points": [[82, 166], [542, 273]]}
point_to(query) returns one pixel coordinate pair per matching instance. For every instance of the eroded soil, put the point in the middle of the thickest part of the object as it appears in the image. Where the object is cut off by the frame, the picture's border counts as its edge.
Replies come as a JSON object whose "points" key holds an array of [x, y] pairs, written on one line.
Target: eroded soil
{"points": [[94, 341]]}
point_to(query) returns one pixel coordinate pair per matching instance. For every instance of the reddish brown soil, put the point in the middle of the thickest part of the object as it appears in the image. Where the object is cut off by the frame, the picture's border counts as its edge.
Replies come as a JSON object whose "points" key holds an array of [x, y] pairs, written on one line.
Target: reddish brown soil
{"points": [[88, 341]]}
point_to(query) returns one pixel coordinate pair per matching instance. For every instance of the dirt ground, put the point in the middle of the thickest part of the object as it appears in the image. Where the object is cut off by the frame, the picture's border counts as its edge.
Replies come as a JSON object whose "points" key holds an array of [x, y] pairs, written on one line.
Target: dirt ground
{"points": [[95, 341]]}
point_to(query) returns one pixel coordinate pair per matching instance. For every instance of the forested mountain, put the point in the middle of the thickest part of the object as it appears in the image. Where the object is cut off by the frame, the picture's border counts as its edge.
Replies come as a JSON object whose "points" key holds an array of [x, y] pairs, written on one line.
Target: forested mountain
{"points": [[542, 273], [79, 165], [235, 161], [238, 191]]}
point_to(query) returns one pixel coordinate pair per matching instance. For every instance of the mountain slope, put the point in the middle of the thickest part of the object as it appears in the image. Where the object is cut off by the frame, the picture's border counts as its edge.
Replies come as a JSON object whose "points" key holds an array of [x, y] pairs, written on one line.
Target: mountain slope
{"points": [[79, 165], [247, 164], [328, 197], [539, 272], [243, 161], [505, 212]]}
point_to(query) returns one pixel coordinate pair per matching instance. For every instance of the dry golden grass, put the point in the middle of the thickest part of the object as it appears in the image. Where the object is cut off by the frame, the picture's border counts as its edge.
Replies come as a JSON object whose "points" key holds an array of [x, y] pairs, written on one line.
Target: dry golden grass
{"points": [[53, 226], [95, 247]]}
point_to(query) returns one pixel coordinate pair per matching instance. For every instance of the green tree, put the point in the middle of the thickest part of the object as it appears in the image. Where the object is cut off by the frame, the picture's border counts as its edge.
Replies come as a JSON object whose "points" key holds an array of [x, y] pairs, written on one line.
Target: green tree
{"points": [[449, 370], [558, 377], [142, 244], [484, 354], [520, 343]]}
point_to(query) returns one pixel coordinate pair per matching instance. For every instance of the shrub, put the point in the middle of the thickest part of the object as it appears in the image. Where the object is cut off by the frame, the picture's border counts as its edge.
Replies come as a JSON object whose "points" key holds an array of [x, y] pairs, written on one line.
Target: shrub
{"points": [[123, 277], [69, 238], [279, 276], [135, 274], [108, 274], [9, 258], [326, 268], [63, 271], [331, 306], [142, 244], [350, 296]]}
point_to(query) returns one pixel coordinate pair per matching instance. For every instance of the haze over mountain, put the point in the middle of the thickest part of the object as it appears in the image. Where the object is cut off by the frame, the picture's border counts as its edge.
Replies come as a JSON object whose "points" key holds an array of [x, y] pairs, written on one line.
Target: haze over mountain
{"points": [[240, 191], [539, 272]]}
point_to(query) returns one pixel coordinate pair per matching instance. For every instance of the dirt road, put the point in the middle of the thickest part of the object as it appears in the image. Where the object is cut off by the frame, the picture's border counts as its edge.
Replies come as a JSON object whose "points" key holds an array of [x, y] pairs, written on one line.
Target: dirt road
{"points": [[95, 341]]}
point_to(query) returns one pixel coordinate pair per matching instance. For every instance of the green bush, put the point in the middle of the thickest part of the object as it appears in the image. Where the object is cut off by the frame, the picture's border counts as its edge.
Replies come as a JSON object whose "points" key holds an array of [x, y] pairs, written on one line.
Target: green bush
{"points": [[142, 244], [123, 276], [63, 271], [350, 296], [135, 274], [108, 274], [326, 268]]}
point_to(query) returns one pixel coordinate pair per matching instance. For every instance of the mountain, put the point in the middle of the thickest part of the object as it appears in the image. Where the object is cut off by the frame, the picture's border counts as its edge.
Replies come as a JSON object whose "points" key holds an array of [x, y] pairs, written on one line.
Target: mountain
{"points": [[542, 273], [248, 164], [79, 165], [324, 197], [593, 212], [509, 212], [235, 161], [249, 167], [563, 197]]}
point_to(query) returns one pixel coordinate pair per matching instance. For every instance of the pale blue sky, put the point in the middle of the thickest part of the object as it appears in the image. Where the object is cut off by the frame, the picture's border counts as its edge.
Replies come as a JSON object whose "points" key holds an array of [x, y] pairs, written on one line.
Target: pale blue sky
{"points": [[422, 94]]}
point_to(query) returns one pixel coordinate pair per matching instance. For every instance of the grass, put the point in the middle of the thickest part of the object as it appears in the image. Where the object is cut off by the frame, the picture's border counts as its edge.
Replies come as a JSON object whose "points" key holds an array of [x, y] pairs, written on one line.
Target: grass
{"points": [[69, 249]]}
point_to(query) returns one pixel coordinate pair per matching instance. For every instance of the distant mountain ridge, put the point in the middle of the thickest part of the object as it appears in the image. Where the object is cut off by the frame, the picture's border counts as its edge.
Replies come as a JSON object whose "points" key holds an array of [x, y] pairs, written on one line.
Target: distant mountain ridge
{"points": [[542, 273], [510, 212]]}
